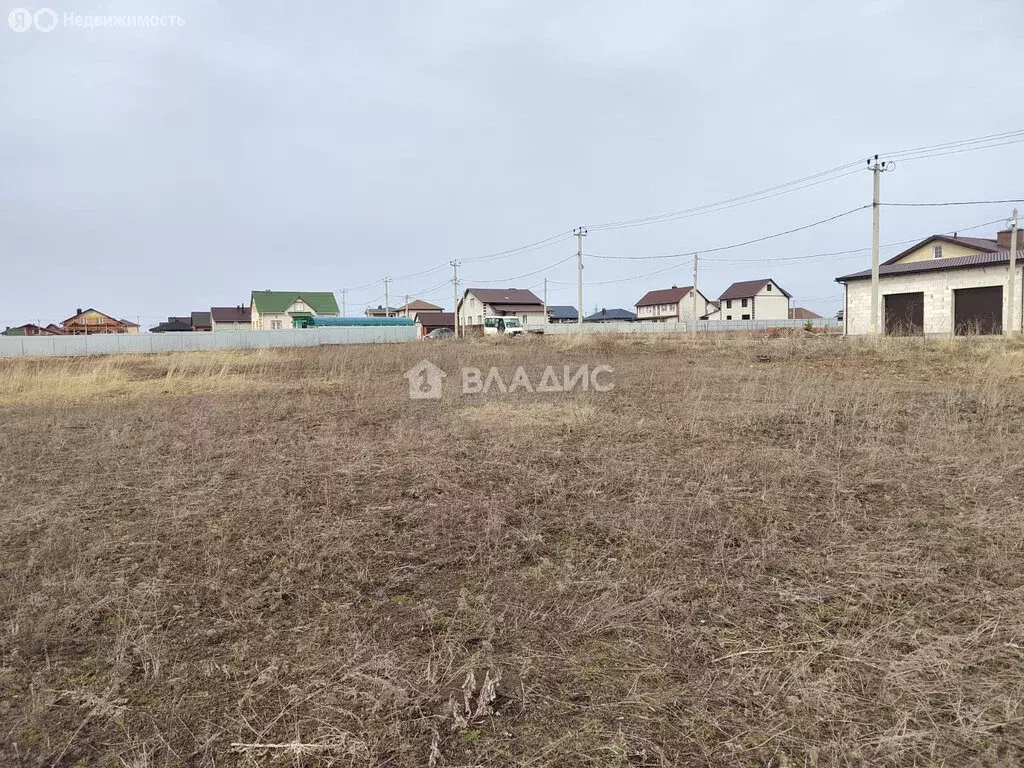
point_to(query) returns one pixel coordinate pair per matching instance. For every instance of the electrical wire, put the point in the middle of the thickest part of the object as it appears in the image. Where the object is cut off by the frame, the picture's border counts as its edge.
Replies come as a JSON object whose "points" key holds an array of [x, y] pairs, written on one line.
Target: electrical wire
{"points": [[736, 245], [959, 202], [954, 144], [520, 277], [959, 151], [734, 202]]}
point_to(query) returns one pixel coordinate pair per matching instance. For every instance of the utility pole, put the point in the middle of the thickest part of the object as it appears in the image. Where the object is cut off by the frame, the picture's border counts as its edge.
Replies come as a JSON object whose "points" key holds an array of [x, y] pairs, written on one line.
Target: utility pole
{"points": [[693, 293], [344, 310], [1011, 287], [876, 169], [580, 233], [387, 305], [407, 305], [545, 299], [455, 294]]}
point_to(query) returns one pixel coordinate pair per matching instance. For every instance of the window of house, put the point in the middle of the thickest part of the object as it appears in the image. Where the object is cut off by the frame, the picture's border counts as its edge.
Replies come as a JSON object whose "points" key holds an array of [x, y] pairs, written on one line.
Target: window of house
{"points": [[728, 305], [99, 321], [275, 325], [728, 317], [744, 302], [745, 317], [937, 251], [768, 287]]}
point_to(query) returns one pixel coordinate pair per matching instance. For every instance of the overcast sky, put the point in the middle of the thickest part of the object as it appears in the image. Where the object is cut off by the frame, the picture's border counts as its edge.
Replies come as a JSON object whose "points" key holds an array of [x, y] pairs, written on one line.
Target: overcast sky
{"points": [[314, 146]]}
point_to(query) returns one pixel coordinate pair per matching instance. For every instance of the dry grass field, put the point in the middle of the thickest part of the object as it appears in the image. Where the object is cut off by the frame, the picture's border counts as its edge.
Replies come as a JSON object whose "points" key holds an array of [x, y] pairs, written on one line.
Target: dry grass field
{"points": [[785, 552]]}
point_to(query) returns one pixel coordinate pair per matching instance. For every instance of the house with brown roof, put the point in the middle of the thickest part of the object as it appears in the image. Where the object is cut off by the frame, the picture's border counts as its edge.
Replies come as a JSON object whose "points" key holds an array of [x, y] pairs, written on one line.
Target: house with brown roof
{"points": [[31, 329], [478, 303], [942, 286], [230, 318], [87, 322], [762, 299], [670, 305], [416, 306], [802, 313]]}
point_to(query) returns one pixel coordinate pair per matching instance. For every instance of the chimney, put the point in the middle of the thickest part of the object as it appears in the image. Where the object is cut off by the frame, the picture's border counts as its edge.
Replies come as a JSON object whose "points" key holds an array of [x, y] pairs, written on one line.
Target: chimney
{"points": [[1003, 239], [78, 311], [674, 287]]}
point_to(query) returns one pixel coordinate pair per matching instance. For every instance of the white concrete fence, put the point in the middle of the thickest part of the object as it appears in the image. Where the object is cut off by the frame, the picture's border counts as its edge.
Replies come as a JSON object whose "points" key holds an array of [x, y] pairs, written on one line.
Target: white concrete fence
{"points": [[147, 343], [703, 326]]}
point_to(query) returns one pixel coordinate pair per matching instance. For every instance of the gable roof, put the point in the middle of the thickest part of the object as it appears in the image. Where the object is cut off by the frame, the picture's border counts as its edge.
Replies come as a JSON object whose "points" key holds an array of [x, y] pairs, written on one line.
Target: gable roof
{"points": [[562, 312], [610, 314], [937, 265], [802, 313], [436, 319], [230, 314], [200, 319], [175, 324], [95, 311], [504, 296], [418, 305], [321, 302], [666, 296], [745, 289], [981, 244]]}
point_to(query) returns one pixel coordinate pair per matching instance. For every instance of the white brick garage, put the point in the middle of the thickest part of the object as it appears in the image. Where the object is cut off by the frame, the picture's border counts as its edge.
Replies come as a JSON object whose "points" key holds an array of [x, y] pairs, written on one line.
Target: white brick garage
{"points": [[937, 282]]}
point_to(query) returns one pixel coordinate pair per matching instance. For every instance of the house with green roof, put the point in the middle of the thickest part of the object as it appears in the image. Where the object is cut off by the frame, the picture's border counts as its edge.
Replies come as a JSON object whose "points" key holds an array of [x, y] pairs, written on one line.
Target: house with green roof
{"points": [[276, 310]]}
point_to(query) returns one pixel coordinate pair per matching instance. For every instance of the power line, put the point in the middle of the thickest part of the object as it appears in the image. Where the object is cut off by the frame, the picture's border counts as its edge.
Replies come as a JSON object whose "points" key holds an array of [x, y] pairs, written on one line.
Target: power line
{"points": [[953, 144], [963, 202], [960, 151], [520, 277], [822, 177], [737, 245], [846, 253], [733, 202]]}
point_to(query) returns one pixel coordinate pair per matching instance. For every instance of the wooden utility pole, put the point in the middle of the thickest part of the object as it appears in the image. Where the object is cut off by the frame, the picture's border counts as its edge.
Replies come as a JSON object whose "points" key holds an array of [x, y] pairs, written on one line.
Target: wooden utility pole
{"points": [[545, 299], [580, 233], [455, 295], [876, 169], [1011, 286]]}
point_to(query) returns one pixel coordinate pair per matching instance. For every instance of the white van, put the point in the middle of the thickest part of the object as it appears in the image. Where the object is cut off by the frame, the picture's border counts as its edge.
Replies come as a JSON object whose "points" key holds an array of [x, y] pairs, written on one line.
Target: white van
{"points": [[510, 325]]}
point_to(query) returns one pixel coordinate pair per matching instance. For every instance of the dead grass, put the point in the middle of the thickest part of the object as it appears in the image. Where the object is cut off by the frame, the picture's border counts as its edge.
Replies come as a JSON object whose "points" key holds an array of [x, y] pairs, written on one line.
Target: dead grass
{"points": [[751, 552]]}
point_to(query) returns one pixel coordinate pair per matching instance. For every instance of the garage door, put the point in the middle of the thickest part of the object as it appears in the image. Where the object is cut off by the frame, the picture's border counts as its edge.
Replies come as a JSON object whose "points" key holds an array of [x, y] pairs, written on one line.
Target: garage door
{"points": [[904, 314], [978, 311]]}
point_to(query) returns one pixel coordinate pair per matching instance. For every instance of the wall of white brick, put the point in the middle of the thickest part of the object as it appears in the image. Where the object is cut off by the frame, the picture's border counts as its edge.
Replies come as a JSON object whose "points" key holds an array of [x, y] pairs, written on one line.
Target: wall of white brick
{"points": [[938, 290]]}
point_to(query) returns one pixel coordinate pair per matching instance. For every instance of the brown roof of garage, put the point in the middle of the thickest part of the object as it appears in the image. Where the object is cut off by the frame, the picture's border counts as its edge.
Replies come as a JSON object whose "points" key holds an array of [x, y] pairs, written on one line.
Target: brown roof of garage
{"points": [[936, 265], [983, 244]]}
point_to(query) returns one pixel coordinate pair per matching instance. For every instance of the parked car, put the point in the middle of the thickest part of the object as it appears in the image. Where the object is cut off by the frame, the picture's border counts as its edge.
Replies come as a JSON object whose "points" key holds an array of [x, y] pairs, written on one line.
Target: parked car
{"points": [[440, 333]]}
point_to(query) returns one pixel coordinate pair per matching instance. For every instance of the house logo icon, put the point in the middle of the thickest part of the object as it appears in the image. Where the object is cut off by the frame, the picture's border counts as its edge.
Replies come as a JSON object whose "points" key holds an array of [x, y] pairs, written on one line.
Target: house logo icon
{"points": [[425, 381]]}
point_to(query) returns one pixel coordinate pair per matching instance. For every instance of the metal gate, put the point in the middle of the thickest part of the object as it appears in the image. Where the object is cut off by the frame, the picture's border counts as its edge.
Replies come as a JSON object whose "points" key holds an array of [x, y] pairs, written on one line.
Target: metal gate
{"points": [[904, 314], [978, 311]]}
